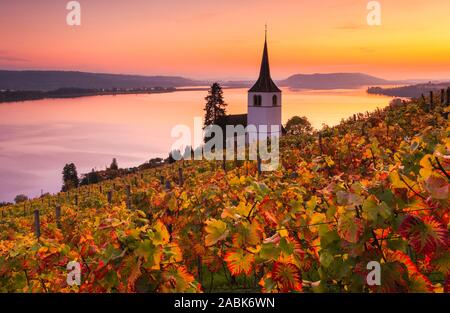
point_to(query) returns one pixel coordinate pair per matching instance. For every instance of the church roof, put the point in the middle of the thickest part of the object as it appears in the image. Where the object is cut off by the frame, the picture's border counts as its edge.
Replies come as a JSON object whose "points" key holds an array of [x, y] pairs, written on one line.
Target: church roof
{"points": [[238, 119], [232, 120], [265, 82], [235, 119]]}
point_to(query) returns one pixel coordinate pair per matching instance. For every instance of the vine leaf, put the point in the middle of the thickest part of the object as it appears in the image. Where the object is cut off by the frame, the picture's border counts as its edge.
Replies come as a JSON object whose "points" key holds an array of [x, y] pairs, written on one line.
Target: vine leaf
{"points": [[426, 167], [376, 213], [161, 235], [287, 276], [438, 187], [419, 282], [239, 262], [425, 235], [267, 209], [350, 228], [216, 230], [247, 234], [178, 279]]}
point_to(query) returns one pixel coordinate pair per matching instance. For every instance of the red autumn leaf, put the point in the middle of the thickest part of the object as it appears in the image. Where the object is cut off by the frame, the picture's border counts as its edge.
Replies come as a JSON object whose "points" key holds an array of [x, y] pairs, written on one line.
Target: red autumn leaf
{"points": [[268, 208], [425, 235], [420, 281], [287, 276]]}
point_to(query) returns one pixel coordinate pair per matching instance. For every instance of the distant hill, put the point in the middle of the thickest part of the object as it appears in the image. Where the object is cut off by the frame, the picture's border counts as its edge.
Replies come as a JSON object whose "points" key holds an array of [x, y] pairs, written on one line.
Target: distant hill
{"points": [[332, 81], [411, 91], [52, 80]]}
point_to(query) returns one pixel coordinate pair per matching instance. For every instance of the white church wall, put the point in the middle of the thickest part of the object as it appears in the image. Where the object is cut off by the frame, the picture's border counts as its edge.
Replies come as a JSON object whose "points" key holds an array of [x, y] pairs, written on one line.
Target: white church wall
{"points": [[266, 114]]}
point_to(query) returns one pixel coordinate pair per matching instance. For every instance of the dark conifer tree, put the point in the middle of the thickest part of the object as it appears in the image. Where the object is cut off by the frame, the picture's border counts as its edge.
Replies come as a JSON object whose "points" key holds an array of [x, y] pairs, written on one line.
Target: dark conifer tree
{"points": [[114, 166], [70, 177], [215, 107]]}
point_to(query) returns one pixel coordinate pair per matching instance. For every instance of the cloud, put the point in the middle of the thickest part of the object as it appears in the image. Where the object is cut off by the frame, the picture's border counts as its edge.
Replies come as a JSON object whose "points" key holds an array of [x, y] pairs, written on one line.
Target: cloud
{"points": [[5, 56]]}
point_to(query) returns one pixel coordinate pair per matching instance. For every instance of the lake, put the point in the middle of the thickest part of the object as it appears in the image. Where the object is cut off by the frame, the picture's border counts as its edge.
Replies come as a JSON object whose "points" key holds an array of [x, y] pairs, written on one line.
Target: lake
{"points": [[37, 138]]}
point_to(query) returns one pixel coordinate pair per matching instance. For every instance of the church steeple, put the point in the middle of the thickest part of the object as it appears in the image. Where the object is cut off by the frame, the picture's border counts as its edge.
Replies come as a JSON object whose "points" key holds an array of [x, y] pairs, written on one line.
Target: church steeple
{"points": [[264, 101], [264, 82]]}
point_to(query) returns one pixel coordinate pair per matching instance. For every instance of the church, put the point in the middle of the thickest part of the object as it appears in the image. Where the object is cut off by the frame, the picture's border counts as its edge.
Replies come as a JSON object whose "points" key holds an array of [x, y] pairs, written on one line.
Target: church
{"points": [[263, 102]]}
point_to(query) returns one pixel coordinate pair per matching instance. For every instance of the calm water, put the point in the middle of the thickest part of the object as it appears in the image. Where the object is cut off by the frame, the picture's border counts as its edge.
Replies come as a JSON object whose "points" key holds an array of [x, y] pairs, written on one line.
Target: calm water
{"points": [[38, 137]]}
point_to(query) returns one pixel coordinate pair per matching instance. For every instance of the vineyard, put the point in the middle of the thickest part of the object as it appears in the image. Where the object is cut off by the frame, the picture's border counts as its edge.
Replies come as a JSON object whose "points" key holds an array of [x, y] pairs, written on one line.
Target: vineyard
{"points": [[373, 188]]}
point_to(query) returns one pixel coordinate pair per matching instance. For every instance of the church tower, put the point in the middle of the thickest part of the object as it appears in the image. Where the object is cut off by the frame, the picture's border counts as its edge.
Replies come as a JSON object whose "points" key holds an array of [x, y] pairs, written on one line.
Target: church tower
{"points": [[264, 99]]}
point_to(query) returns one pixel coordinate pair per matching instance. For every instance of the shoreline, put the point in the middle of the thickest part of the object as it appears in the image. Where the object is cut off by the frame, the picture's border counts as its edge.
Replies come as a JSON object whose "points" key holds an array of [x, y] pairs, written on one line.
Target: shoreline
{"points": [[42, 95]]}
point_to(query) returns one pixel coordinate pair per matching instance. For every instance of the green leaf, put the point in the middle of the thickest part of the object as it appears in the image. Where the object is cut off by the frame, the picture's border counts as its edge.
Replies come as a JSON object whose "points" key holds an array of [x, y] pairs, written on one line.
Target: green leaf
{"points": [[326, 258], [329, 238], [442, 262], [147, 250], [376, 213], [286, 247], [269, 251]]}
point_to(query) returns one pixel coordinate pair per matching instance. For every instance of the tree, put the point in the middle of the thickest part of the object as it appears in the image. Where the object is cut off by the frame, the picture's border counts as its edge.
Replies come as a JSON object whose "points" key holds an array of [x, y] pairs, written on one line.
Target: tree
{"points": [[70, 177], [215, 106], [90, 178], [114, 165], [173, 156], [20, 198], [298, 125]]}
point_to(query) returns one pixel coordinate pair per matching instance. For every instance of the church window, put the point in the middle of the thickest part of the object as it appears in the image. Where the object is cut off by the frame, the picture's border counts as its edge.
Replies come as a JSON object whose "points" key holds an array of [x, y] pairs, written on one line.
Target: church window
{"points": [[274, 100], [257, 100]]}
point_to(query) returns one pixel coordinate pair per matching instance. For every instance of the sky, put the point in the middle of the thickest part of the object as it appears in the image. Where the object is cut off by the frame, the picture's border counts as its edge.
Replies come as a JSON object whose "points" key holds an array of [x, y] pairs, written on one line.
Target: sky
{"points": [[207, 39]]}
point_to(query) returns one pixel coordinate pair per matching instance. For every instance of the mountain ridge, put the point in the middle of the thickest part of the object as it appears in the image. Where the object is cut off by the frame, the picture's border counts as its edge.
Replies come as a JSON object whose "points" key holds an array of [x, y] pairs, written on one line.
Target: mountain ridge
{"points": [[41, 80], [52, 80], [332, 81]]}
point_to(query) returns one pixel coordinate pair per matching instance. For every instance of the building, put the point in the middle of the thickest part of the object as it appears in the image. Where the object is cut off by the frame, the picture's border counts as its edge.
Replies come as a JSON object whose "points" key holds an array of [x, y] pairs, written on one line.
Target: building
{"points": [[263, 104], [264, 100]]}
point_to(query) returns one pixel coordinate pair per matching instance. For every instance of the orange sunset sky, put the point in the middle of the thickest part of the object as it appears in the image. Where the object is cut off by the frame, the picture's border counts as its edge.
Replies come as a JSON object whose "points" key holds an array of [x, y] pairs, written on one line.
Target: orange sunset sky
{"points": [[223, 39]]}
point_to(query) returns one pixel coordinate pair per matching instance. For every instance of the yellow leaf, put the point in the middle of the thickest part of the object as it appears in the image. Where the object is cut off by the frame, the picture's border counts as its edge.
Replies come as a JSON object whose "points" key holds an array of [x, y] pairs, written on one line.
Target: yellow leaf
{"points": [[426, 167], [234, 181], [141, 214], [283, 232], [161, 235], [173, 254], [318, 218], [216, 230], [238, 261]]}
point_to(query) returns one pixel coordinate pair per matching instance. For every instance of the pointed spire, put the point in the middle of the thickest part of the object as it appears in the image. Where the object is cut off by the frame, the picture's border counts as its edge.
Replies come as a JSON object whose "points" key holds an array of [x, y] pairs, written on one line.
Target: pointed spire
{"points": [[265, 34], [264, 82]]}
